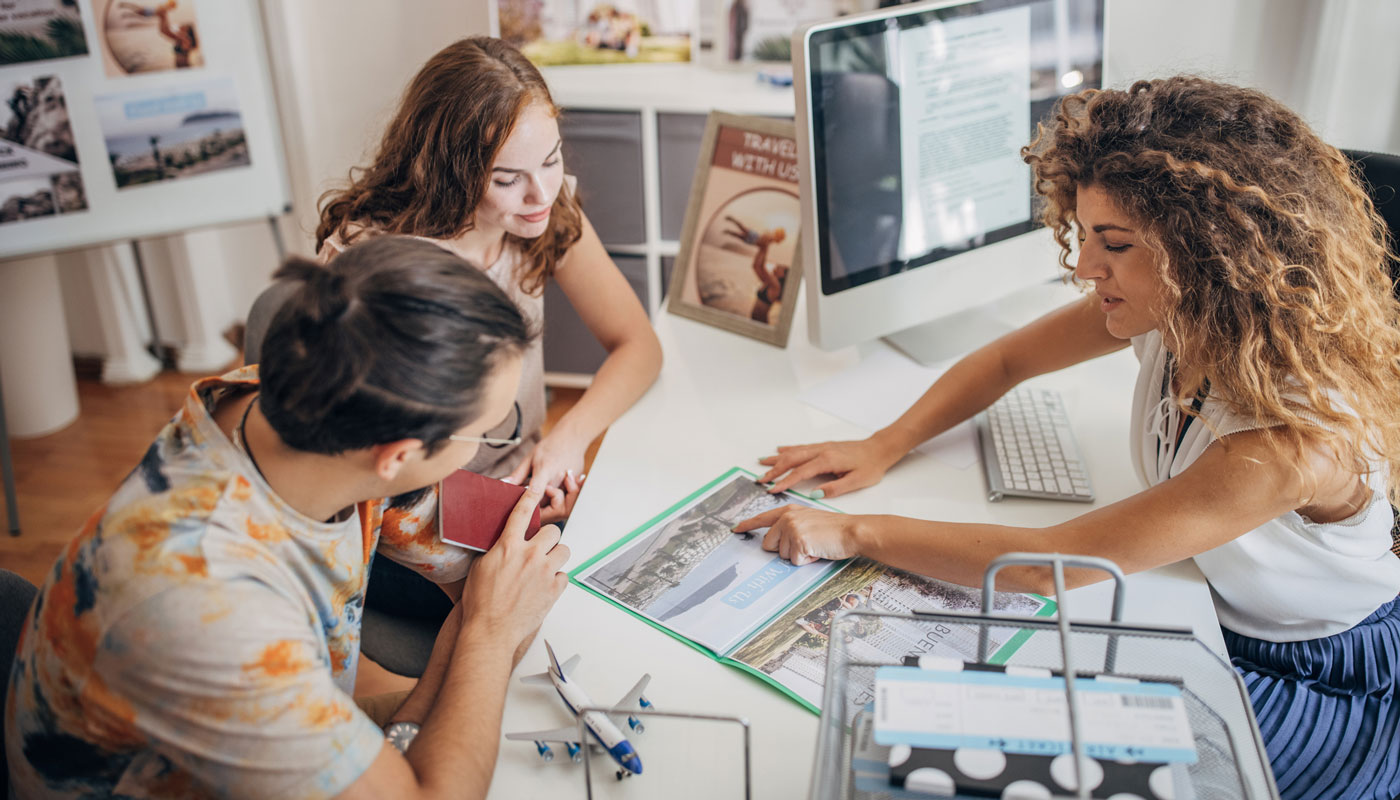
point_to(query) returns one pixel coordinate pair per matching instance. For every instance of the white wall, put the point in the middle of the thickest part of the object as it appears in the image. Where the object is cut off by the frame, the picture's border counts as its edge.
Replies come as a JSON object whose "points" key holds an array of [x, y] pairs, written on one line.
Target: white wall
{"points": [[339, 66], [1335, 62]]}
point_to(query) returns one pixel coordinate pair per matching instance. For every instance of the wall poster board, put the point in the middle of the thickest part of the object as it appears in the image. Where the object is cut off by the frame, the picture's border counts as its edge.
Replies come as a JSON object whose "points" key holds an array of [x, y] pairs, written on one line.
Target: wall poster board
{"points": [[125, 119]]}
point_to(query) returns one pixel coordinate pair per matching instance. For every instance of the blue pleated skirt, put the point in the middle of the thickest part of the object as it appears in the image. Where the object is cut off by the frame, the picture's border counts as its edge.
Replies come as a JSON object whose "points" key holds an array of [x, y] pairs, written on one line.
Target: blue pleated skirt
{"points": [[1326, 708]]}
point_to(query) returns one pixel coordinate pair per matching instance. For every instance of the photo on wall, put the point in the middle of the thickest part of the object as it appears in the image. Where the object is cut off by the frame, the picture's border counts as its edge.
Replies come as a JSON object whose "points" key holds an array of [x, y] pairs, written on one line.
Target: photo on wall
{"points": [[551, 32], [761, 30], [39, 174], [738, 265], [148, 36], [176, 132], [38, 30]]}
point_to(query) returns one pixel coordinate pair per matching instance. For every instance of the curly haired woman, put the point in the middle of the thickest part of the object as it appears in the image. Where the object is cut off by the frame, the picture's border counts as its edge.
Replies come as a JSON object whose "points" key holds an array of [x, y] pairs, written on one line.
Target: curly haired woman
{"points": [[1240, 258]]}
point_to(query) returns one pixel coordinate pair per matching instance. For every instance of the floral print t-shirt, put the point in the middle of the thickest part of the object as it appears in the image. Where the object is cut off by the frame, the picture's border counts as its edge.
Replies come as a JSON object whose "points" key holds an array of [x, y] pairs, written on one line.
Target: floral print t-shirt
{"points": [[199, 636]]}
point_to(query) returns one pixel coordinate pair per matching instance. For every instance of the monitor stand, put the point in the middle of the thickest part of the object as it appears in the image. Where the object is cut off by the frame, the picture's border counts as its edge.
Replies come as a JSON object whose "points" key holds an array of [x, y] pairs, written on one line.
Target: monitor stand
{"points": [[945, 338]]}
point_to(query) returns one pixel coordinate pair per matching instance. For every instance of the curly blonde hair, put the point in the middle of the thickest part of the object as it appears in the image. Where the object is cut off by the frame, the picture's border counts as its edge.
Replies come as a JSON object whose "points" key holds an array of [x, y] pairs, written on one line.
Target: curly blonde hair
{"points": [[1273, 259]]}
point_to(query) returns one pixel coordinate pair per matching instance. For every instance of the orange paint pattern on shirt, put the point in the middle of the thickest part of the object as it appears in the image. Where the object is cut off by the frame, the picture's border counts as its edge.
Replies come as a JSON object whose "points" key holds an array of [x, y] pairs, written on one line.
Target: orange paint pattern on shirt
{"points": [[406, 531], [108, 719], [281, 658], [195, 565], [72, 637], [271, 533], [147, 523], [367, 512], [175, 782], [327, 715], [242, 490]]}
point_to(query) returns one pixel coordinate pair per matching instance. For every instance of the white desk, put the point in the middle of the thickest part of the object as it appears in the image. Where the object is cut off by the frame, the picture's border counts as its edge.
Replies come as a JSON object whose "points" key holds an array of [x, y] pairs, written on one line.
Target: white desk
{"points": [[724, 400]]}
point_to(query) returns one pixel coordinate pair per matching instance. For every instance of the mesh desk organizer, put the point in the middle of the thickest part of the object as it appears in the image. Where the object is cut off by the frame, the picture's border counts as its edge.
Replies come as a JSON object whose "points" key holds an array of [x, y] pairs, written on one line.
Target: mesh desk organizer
{"points": [[1230, 758]]}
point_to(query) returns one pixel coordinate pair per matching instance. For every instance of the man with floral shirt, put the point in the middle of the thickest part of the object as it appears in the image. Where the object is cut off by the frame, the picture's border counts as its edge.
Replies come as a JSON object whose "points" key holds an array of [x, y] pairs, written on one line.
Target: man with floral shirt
{"points": [[199, 636]]}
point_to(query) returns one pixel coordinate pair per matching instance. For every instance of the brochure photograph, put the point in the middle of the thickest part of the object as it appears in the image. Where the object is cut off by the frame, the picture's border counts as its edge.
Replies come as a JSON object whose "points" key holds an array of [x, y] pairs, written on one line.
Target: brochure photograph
{"points": [[687, 573]]}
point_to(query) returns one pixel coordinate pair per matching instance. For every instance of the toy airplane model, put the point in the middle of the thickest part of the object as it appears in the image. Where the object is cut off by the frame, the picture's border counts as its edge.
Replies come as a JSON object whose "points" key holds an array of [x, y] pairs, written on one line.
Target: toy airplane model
{"points": [[606, 728]]}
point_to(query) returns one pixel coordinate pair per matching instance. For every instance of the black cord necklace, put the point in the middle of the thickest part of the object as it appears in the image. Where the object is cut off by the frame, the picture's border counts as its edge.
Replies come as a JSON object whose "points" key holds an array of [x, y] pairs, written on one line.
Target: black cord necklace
{"points": [[243, 436]]}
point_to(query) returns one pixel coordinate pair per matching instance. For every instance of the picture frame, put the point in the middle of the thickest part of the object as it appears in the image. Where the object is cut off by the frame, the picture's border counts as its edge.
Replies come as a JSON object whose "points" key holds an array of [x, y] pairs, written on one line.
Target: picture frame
{"points": [[558, 33], [740, 238], [757, 32]]}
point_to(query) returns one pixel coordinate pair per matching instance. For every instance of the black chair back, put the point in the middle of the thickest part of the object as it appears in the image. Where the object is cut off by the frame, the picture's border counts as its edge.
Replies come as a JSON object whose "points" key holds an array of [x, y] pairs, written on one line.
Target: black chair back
{"points": [[1382, 174], [16, 596]]}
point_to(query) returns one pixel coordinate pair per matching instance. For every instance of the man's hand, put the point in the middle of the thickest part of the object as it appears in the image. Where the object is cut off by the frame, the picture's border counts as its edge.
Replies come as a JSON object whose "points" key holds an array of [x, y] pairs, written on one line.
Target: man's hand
{"points": [[512, 587]]}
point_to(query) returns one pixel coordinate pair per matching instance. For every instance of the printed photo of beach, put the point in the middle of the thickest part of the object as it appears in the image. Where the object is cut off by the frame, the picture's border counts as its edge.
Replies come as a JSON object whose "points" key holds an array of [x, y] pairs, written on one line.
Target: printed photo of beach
{"points": [[175, 132], [148, 37]]}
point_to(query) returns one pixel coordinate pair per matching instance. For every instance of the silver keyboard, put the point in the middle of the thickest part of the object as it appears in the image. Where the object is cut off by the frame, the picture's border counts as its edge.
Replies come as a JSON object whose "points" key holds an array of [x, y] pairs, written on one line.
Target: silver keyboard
{"points": [[1028, 449]]}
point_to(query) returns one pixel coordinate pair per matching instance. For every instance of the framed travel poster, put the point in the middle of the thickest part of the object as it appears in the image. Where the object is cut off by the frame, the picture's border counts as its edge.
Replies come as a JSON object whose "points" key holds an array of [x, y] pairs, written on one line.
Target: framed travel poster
{"points": [[738, 266]]}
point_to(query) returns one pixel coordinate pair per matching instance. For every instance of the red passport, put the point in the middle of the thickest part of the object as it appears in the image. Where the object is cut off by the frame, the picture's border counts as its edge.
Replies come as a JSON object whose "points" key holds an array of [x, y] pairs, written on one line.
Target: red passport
{"points": [[473, 509]]}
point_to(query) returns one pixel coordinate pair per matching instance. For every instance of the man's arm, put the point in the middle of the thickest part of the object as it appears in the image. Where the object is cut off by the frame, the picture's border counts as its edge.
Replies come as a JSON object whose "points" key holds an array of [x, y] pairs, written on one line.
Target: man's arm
{"points": [[505, 599]]}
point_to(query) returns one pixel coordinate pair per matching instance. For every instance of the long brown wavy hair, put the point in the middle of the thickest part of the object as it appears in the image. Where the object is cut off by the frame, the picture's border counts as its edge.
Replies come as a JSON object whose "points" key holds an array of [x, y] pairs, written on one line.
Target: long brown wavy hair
{"points": [[434, 162], [1271, 254]]}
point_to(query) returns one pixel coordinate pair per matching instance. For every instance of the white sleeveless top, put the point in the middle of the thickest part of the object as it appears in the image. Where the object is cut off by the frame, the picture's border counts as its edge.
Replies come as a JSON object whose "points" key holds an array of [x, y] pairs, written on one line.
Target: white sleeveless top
{"points": [[1290, 579]]}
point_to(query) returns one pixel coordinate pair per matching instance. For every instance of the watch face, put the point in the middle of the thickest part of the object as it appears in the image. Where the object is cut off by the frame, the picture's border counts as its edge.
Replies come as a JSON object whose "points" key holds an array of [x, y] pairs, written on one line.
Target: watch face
{"points": [[401, 734]]}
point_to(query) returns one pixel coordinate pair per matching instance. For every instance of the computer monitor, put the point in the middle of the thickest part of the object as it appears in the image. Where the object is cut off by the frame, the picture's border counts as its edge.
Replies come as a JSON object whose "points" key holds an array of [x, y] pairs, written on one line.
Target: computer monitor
{"points": [[917, 209]]}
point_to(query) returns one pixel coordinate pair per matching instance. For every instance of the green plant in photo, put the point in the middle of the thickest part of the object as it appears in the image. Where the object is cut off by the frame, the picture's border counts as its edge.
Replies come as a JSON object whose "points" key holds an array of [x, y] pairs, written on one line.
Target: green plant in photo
{"points": [[63, 37], [774, 48]]}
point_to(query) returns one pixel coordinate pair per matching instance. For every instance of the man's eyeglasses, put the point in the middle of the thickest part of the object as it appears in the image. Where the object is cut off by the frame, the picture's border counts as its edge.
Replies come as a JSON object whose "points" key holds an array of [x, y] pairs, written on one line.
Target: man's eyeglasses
{"points": [[495, 443]]}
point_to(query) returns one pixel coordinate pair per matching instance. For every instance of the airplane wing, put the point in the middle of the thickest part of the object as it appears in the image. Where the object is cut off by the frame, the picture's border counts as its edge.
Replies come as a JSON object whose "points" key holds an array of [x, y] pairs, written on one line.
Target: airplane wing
{"points": [[630, 700], [565, 735]]}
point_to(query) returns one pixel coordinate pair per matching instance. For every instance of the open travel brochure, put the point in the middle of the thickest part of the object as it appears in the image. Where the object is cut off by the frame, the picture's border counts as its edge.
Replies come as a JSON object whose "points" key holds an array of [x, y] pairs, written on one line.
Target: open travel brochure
{"points": [[686, 572]]}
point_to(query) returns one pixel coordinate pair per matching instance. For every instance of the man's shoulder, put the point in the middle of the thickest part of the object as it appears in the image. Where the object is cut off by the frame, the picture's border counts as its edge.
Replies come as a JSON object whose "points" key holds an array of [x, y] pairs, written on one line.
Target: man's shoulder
{"points": [[189, 540]]}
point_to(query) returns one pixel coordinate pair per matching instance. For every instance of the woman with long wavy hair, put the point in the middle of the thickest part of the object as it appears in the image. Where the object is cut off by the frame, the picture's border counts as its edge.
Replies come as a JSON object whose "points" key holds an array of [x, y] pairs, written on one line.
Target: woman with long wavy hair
{"points": [[1238, 255], [472, 161]]}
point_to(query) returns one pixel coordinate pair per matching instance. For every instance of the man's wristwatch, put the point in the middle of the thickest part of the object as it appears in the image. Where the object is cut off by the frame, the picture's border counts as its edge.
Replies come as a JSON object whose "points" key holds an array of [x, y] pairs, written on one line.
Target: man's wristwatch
{"points": [[400, 734]]}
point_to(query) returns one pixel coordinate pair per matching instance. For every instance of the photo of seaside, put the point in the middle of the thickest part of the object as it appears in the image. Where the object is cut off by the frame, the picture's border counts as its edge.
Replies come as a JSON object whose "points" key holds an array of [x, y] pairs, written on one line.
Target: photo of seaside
{"points": [[178, 132], [137, 37]]}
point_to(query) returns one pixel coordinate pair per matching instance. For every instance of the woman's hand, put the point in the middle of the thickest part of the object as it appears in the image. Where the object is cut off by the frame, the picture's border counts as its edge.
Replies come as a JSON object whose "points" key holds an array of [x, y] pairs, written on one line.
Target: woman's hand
{"points": [[555, 470], [802, 535], [856, 465]]}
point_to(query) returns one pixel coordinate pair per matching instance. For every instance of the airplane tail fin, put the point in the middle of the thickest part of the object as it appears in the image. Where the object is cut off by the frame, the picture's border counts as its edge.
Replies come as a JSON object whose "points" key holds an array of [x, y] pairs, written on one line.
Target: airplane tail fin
{"points": [[554, 662], [538, 677]]}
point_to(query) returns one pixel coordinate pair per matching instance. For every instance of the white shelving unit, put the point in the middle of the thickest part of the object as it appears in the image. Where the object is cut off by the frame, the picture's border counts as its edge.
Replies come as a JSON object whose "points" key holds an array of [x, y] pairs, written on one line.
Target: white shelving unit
{"points": [[632, 132]]}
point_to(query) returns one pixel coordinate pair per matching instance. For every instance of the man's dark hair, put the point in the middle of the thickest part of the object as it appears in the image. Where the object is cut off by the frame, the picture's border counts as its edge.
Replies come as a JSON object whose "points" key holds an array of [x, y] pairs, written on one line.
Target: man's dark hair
{"points": [[393, 339]]}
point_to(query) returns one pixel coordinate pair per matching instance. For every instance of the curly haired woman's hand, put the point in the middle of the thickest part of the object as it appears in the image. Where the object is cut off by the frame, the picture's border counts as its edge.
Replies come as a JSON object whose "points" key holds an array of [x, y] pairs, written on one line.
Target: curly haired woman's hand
{"points": [[856, 465]]}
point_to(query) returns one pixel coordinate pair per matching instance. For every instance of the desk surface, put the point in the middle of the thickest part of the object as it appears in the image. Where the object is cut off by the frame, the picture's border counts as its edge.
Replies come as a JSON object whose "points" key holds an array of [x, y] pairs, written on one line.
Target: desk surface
{"points": [[724, 400]]}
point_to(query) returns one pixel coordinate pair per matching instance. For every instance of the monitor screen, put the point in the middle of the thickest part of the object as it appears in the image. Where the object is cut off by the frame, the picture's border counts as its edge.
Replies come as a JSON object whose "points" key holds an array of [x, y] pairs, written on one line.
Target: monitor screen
{"points": [[917, 120]]}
